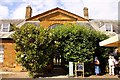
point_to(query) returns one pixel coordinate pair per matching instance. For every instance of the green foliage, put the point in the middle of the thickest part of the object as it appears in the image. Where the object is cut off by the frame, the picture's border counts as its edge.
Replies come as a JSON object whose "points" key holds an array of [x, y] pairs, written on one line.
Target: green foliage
{"points": [[78, 43], [13, 27], [34, 47]]}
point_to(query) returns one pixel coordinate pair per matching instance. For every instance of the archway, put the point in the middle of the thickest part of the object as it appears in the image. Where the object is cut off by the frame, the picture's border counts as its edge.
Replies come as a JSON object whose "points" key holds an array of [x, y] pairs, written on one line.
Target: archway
{"points": [[54, 25], [57, 55]]}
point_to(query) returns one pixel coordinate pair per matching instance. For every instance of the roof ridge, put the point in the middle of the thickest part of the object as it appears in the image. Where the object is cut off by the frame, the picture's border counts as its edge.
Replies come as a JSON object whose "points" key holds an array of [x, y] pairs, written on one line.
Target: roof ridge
{"points": [[57, 8]]}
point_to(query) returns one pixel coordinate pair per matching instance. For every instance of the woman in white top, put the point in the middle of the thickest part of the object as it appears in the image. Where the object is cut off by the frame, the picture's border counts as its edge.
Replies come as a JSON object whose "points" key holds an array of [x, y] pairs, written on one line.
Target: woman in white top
{"points": [[111, 62]]}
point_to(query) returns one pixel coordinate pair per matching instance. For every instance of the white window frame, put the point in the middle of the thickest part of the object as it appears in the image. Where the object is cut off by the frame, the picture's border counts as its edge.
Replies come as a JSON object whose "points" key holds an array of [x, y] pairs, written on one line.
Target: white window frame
{"points": [[109, 27], [8, 27], [1, 53]]}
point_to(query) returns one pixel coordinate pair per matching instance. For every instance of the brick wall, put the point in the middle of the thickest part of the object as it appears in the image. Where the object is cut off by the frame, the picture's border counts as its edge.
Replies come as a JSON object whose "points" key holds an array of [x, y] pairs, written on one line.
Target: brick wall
{"points": [[9, 53], [9, 63]]}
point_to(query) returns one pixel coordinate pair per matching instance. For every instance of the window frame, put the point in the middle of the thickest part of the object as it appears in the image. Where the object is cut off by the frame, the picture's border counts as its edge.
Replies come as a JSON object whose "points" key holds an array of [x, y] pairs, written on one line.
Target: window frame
{"points": [[5, 28], [1, 53], [109, 27]]}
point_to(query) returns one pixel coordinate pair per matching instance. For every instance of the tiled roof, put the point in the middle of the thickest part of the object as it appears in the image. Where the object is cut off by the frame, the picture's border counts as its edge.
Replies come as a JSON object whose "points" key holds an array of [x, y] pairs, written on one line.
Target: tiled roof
{"points": [[14, 22], [102, 22], [17, 23], [36, 23], [86, 24], [11, 21], [99, 23], [93, 24]]}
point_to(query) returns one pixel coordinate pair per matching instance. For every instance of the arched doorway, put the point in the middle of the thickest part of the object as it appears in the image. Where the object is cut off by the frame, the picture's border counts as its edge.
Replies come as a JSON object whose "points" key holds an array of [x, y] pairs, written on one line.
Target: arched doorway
{"points": [[54, 25], [57, 55]]}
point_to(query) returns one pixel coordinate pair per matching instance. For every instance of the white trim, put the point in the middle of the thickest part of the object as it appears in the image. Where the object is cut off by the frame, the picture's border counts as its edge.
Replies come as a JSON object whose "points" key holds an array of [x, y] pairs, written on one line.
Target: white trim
{"points": [[1, 53], [6, 34], [20, 24], [112, 42], [2, 27], [4, 72], [110, 25], [32, 21]]}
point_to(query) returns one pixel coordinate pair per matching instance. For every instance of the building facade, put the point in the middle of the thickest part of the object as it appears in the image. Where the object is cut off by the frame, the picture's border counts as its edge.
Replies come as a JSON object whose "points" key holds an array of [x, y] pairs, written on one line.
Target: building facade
{"points": [[47, 19]]}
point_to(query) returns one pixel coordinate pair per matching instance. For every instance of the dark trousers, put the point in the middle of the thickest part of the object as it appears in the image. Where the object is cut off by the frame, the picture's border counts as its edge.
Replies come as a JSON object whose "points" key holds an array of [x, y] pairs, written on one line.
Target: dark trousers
{"points": [[117, 70]]}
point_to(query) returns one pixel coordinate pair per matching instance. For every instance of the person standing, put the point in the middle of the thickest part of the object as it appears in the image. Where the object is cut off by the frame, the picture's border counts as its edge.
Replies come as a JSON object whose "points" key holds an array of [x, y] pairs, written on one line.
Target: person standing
{"points": [[111, 62], [97, 68]]}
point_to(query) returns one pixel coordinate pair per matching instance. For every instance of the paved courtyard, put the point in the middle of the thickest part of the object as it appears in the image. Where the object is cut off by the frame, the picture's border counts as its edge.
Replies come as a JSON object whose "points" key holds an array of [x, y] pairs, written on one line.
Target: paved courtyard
{"points": [[25, 75]]}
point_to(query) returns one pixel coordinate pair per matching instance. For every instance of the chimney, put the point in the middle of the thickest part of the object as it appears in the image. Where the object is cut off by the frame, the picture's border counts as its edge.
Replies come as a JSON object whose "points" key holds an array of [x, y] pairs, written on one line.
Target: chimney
{"points": [[86, 12], [28, 12]]}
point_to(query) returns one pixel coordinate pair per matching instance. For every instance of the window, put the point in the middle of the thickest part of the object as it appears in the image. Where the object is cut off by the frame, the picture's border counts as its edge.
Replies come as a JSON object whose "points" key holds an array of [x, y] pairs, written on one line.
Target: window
{"points": [[109, 27], [54, 25], [5, 27], [1, 53]]}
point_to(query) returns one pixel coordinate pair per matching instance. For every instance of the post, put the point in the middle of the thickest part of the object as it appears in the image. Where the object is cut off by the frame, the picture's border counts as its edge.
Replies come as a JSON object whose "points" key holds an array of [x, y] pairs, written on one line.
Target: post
{"points": [[83, 70], [76, 69], [71, 69]]}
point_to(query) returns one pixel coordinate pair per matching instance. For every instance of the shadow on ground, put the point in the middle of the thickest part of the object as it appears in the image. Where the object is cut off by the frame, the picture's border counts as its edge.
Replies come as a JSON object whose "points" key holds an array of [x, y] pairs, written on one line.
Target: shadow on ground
{"points": [[57, 71]]}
